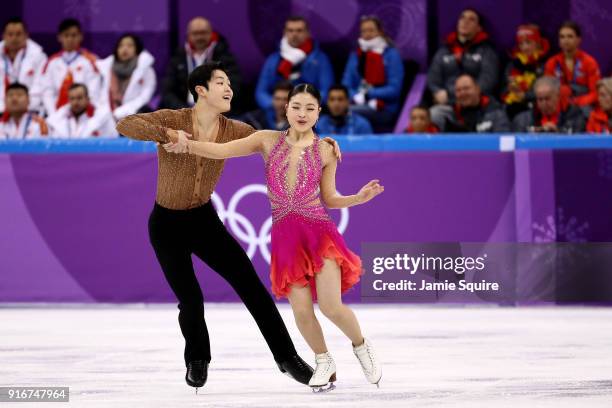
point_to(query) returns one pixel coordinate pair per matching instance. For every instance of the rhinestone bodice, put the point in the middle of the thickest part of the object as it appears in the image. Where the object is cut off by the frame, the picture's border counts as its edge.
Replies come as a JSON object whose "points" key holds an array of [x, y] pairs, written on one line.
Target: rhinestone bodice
{"points": [[293, 175]]}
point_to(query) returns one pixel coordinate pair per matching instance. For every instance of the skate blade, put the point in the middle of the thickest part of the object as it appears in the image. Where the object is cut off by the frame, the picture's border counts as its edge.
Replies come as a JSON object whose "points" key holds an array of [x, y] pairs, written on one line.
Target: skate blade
{"points": [[377, 383], [323, 388]]}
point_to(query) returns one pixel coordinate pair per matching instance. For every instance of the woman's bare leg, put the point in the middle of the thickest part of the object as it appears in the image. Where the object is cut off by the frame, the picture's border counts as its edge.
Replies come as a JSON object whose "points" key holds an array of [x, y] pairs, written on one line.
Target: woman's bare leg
{"points": [[330, 302], [300, 299]]}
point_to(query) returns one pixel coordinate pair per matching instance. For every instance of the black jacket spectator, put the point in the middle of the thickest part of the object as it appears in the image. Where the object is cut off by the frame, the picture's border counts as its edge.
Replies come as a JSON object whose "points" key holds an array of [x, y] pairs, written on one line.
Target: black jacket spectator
{"points": [[487, 116], [175, 92], [570, 120], [476, 58], [552, 111]]}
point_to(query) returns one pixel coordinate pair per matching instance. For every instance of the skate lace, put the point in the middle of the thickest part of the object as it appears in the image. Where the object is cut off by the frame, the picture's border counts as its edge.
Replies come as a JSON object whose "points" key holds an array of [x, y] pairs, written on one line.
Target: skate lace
{"points": [[323, 365], [369, 352]]}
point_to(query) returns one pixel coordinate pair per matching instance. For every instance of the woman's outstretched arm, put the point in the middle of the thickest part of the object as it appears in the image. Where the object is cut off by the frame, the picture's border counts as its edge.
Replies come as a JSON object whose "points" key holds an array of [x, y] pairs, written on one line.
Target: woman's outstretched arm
{"points": [[332, 199], [182, 143]]}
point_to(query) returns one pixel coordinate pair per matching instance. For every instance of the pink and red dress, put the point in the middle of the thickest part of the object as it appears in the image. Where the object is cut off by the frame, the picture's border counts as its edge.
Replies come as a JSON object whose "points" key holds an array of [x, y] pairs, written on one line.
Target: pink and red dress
{"points": [[303, 234]]}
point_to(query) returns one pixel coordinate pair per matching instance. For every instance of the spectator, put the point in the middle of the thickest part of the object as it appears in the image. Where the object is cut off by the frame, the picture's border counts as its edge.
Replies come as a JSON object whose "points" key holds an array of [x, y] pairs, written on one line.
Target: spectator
{"points": [[577, 70], [420, 121], [72, 64], [80, 119], [527, 65], [340, 119], [275, 118], [467, 51], [374, 75], [600, 120], [473, 111], [22, 58], [299, 59], [552, 112], [128, 78], [17, 122], [203, 44]]}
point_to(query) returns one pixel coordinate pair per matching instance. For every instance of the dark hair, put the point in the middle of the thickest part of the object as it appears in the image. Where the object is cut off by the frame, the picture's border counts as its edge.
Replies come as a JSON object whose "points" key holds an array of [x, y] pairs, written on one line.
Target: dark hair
{"points": [[293, 19], [17, 85], [15, 20], [79, 85], [573, 26], [306, 88], [68, 23], [338, 87], [137, 43], [420, 107], [202, 75], [283, 86], [379, 25], [375, 19], [473, 10]]}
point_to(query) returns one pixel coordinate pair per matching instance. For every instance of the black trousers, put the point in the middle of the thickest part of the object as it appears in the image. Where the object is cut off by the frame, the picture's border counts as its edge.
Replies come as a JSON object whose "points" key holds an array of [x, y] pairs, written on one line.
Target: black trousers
{"points": [[175, 235]]}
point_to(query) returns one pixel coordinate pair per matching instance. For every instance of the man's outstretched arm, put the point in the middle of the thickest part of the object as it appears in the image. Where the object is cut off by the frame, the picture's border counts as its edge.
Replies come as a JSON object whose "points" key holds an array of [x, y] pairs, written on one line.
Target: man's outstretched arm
{"points": [[146, 126]]}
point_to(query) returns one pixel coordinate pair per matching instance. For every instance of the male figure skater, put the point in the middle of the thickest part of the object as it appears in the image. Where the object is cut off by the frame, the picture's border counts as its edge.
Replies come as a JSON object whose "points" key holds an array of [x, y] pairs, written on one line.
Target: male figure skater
{"points": [[183, 221]]}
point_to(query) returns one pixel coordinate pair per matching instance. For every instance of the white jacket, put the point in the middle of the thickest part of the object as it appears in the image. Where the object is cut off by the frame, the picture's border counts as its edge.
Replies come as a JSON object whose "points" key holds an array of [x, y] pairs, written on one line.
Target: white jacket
{"points": [[140, 88], [83, 69], [95, 122], [26, 69], [30, 126]]}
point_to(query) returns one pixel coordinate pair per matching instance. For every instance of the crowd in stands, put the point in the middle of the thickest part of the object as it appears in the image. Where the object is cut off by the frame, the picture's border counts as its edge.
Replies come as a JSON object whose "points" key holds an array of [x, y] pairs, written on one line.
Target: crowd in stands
{"points": [[537, 92], [75, 94]]}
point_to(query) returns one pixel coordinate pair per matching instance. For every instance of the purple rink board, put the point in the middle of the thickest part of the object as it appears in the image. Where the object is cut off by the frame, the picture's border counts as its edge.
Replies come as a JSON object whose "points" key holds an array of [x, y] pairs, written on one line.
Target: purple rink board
{"points": [[74, 225]]}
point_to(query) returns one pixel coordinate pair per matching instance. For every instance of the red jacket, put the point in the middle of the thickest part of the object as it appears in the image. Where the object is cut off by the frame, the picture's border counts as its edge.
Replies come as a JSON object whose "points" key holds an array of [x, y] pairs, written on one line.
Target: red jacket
{"points": [[585, 74], [598, 122]]}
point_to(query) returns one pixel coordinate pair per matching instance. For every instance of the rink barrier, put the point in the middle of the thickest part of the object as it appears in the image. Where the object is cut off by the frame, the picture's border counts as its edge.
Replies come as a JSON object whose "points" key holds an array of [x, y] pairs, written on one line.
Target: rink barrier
{"points": [[361, 143], [75, 221]]}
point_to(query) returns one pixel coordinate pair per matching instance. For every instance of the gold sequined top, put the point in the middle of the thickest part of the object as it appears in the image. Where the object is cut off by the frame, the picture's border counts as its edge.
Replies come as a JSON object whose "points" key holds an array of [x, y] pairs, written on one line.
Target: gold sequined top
{"points": [[183, 180]]}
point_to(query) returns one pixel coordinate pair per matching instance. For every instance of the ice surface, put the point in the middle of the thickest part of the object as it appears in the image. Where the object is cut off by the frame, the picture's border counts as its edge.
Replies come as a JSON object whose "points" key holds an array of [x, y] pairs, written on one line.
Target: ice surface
{"points": [[131, 356]]}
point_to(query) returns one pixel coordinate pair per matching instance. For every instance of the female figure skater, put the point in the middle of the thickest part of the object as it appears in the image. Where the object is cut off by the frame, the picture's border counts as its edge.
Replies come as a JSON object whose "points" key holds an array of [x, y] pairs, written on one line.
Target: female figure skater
{"points": [[309, 256]]}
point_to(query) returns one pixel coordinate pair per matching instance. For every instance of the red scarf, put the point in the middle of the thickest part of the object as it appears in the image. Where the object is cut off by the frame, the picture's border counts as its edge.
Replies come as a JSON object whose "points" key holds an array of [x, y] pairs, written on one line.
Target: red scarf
{"points": [[285, 67], [554, 118], [534, 58], [62, 98], [484, 102], [458, 49], [430, 129], [562, 106], [5, 116], [371, 67], [599, 122]]}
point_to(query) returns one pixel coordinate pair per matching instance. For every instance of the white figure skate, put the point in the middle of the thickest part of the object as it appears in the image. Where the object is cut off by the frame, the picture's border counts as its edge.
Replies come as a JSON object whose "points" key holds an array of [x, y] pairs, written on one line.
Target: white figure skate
{"points": [[324, 374], [369, 363]]}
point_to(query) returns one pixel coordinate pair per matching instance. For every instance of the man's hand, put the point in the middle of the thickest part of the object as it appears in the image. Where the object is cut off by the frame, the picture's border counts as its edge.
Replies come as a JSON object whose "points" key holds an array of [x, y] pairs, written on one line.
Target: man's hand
{"points": [[549, 127], [334, 144], [441, 97], [359, 98], [178, 141]]}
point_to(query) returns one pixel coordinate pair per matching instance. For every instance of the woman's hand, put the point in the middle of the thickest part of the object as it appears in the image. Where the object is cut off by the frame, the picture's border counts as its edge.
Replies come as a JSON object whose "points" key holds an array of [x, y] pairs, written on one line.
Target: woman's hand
{"points": [[369, 191], [178, 141]]}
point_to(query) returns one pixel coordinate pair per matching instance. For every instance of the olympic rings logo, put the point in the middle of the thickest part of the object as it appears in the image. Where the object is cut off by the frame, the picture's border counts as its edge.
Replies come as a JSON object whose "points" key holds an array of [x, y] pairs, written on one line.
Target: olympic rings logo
{"points": [[244, 230]]}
